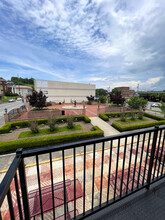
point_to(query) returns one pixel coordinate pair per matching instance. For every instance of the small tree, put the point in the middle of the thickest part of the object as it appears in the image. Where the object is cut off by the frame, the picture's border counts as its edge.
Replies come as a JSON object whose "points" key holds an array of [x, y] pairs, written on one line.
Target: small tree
{"points": [[162, 107], [90, 99], [34, 126], [116, 97], [37, 99], [133, 115], [52, 124], [136, 102], [102, 99], [70, 120]]}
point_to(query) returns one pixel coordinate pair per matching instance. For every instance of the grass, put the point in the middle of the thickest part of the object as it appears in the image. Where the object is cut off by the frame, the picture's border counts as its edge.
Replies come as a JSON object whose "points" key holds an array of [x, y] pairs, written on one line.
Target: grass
{"points": [[46, 131], [6, 98], [129, 120], [154, 111]]}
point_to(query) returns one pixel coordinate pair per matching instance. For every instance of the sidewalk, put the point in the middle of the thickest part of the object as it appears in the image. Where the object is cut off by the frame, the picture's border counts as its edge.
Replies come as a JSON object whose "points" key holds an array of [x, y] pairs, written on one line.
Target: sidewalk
{"points": [[108, 129]]}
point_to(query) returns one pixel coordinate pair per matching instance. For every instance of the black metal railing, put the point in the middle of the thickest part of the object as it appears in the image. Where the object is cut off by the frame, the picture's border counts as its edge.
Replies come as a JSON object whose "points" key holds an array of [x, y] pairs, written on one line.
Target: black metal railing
{"points": [[89, 175]]}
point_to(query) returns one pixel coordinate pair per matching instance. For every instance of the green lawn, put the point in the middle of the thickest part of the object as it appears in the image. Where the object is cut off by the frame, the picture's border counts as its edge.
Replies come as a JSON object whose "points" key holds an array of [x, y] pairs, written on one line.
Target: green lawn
{"points": [[6, 98], [46, 131], [129, 120]]}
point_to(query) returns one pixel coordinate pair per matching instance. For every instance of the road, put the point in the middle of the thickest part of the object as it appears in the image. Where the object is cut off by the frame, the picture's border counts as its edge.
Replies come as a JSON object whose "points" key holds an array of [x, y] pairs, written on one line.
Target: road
{"points": [[9, 106], [149, 108]]}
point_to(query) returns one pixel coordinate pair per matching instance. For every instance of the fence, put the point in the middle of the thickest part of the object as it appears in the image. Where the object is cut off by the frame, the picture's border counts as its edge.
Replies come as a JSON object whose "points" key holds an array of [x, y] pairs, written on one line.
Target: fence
{"points": [[79, 179]]}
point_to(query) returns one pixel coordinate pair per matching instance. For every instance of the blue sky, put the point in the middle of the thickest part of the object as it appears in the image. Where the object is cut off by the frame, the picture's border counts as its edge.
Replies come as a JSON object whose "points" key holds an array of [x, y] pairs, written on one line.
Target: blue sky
{"points": [[103, 42]]}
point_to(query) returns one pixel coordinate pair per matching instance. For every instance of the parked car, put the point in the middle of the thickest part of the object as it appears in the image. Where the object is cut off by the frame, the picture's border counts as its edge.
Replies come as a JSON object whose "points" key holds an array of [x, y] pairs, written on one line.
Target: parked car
{"points": [[19, 99], [11, 100], [155, 105]]}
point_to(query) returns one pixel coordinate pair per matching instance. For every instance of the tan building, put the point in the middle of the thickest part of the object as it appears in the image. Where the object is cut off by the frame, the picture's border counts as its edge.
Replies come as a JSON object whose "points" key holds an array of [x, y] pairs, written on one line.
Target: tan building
{"points": [[64, 91], [126, 92]]}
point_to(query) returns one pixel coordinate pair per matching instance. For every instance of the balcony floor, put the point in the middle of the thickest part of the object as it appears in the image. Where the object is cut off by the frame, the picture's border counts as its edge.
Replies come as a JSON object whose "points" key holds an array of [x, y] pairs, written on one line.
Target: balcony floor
{"points": [[143, 205]]}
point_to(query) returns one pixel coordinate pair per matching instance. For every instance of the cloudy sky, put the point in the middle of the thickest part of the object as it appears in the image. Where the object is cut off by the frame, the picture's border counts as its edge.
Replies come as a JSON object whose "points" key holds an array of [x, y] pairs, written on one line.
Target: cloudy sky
{"points": [[108, 43]]}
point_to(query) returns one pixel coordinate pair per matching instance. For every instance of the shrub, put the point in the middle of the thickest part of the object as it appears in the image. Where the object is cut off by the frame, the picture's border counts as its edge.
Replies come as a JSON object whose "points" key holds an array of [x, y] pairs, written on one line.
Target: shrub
{"points": [[9, 125], [6, 146], [104, 117], [133, 115], [158, 118], [123, 116], [52, 124], [70, 123], [140, 114], [34, 126], [122, 128]]}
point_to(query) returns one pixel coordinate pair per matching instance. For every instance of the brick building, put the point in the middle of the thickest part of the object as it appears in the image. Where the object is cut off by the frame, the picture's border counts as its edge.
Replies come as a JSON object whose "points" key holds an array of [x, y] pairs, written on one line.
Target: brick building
{"points": [[2, 87], [126, 92]]}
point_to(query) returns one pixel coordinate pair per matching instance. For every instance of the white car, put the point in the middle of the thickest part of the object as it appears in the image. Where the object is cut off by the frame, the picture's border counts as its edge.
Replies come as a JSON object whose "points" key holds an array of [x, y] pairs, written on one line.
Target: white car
{"points": [[155, 105], [11, 100], [19, 99]]}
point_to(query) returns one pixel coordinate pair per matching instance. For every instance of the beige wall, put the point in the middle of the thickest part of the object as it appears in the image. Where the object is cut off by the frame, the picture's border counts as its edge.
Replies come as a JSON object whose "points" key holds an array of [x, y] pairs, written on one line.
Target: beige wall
{"points": [[60, 91]]}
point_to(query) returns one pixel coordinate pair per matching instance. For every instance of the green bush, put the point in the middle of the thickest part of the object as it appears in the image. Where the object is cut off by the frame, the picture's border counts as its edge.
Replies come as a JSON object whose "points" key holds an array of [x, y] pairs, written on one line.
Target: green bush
{"points": [[104, 117], [156, 117], [122, 128], [52, 124], [33, 125], [6, 146], [9, 125], [70, 123]]}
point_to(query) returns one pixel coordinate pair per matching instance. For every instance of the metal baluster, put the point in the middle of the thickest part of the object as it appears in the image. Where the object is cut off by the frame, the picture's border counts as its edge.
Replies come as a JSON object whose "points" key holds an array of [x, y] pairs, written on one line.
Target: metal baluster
{"points": [[109, 172], [102, 166], [52, 185], [18, 198], [161, 154], [121, 184], [74, 182], [84, 179], [9, 198], [157, 153], [130, 157], [149, 139], [63, 159], [152, 156], [39, 186], [141, 157], [117, 167], [93, 181], [137, 148]]}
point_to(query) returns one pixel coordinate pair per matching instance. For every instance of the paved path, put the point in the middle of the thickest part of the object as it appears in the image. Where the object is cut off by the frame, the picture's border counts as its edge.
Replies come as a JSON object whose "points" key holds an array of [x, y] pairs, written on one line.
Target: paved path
{"points": [[108, 129]]}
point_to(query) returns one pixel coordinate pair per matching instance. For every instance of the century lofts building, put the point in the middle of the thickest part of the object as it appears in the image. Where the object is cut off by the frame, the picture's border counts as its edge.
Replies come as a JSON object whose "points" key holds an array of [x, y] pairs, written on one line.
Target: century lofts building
{"points": [[64, 91], [126, 91], [2, 86]]}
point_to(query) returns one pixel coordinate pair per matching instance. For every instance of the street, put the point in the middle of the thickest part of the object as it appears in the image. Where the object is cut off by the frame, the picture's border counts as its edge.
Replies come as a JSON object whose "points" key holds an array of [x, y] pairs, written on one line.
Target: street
{"points": [[150, 109], [9, 106]]}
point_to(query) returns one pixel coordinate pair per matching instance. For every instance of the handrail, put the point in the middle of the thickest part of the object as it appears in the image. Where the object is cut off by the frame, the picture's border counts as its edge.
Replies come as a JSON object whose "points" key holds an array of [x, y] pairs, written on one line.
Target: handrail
{"points": [[5, 185]]}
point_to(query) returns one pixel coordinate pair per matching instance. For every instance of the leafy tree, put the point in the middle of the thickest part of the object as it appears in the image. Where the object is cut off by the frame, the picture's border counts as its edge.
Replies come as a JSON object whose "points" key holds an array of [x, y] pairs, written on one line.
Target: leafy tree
{"points": [[23, 81], [101, 92], [102, 99], [37, 99], [136, 102], [90, 99], [162, 107], [116, 97]]}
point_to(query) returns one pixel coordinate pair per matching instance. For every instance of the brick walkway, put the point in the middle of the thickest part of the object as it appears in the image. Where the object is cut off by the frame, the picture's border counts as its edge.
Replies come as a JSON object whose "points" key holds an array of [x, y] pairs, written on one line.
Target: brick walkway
{"points": [[45, 178]]}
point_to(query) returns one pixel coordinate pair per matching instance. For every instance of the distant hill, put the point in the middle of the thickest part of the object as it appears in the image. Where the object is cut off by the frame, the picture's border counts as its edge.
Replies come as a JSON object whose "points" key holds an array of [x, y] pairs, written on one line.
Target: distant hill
{"points": [[23, 81]]}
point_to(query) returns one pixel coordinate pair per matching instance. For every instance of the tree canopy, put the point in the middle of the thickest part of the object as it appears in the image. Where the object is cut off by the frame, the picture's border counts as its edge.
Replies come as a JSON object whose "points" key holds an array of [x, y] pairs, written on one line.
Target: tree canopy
{"points": [[116, 97], [22, 81], [101, 92], [37, 99], [136, 102]]}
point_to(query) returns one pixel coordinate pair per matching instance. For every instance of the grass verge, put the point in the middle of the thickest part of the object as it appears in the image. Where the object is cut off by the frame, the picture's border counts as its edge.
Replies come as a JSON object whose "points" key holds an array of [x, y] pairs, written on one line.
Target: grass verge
{"points": [[129, 120], [46, 131]]}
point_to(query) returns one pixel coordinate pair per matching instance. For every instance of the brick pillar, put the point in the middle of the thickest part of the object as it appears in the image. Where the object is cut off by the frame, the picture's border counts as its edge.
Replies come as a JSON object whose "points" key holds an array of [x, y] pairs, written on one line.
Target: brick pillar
{"points": [[6, 117]]}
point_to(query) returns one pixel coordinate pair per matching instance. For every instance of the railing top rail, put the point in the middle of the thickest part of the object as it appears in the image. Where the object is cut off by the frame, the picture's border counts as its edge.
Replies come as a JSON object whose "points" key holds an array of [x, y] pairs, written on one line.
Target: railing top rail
{"points": [[49, 149], [5, 184]]}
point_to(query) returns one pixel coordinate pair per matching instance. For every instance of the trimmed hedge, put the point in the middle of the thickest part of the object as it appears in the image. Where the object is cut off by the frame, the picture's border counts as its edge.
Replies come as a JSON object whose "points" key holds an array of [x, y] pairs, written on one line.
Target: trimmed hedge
{"points": [[122, 128], [6, 146], [156, 117], [106, 116], [9, 125]]}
